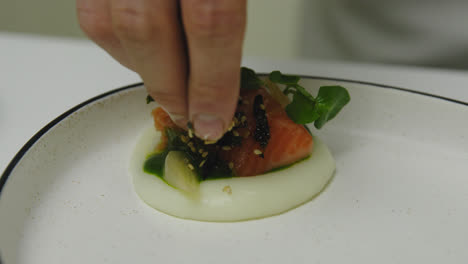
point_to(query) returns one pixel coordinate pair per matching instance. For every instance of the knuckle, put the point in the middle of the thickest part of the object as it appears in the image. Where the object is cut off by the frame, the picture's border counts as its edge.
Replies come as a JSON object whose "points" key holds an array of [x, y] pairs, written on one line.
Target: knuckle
{"points": [[133, 24], [169, 100], [211, 93], [207, 18]]}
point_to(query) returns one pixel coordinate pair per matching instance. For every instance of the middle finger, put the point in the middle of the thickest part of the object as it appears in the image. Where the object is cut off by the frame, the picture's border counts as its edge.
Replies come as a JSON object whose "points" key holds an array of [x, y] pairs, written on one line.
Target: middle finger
{"points": [[152, 36]]}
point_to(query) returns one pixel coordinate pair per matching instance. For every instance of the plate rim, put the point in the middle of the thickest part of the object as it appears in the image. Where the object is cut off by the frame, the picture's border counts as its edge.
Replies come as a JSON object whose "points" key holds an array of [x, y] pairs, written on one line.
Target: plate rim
{"points": [[24, 149]]}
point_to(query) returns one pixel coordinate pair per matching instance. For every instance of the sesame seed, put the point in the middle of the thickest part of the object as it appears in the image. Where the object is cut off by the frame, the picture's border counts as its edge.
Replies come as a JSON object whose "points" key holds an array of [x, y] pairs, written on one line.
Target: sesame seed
{"points": [[227, 189], [208, 142], [190, 144], [257, 152], [184, 138], [231, 126], [190, 166], [226, 148], [231, 165], [202, 163], [235, 133], [200, 151], [190, 133], [262, 106], [193, 149], [205, 154], [235, 120], [243, 119]]}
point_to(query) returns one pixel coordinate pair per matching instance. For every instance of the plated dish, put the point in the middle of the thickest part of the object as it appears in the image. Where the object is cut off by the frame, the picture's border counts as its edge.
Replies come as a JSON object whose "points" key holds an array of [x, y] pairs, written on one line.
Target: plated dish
{"points": [[267, 162], [398, 195]]}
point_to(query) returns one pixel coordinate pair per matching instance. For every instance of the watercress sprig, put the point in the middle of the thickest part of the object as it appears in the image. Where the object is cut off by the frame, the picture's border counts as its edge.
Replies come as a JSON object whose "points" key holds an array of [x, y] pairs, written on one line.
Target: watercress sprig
{"points": [[250, 80], [304, 108]]}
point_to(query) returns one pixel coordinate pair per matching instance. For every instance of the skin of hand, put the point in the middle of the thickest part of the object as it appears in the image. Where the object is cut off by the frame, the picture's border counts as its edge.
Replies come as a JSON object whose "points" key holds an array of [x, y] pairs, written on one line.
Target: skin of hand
{"points": [[188, 53]]}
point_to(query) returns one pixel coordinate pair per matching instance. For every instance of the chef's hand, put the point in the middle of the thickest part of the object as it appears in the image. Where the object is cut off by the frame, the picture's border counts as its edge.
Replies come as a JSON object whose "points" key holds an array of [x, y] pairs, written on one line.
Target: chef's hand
{"points": [[187, 52]]}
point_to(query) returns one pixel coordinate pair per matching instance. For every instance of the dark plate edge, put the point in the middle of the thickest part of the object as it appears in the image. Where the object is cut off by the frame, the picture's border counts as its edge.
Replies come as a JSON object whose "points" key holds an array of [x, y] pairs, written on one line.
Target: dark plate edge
{"points": [[6, 173], [385, 86]]}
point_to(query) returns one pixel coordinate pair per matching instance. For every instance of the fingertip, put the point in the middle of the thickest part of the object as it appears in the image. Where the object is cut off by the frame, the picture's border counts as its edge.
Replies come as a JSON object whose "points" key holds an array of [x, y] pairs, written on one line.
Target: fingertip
{"points": [[209, 126], [212, 107], [179, 120]]}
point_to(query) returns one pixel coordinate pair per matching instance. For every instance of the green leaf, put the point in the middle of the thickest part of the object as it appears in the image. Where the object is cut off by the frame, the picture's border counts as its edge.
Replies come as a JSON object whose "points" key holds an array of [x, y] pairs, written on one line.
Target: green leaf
{"points": [[249, 79], [330, 100], [149, 99], [278, 77], [304, 92], [302, 109], [172, 137]]}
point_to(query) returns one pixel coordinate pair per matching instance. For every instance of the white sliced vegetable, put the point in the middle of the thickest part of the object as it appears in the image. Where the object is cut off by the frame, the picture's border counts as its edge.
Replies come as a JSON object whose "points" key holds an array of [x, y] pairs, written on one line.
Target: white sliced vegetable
{"points": [[178, 174]]}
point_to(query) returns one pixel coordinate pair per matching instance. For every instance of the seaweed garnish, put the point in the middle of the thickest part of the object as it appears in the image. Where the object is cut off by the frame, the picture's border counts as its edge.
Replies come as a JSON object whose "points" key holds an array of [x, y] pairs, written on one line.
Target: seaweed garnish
{"points": [[262, 130]]}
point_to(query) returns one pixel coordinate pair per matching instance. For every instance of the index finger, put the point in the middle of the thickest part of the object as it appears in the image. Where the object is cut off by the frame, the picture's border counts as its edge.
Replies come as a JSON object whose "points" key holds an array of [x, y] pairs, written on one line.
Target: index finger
{"points": [[215, 33]]}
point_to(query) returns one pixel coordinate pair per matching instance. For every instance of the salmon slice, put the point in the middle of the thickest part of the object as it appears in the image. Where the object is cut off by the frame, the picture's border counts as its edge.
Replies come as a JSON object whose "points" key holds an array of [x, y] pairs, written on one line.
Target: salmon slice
{"points": [[288, 143], [161, 121]]}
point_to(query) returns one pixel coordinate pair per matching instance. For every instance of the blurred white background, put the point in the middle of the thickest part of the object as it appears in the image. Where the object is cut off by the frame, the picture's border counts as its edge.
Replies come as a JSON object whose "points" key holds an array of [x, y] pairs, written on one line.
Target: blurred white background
{"points": [[411, 32], [58, 18]]}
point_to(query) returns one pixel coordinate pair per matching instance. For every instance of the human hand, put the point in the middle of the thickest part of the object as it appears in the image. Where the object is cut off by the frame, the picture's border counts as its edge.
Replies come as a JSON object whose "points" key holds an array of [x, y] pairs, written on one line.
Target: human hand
{"points": [[187, 52]]}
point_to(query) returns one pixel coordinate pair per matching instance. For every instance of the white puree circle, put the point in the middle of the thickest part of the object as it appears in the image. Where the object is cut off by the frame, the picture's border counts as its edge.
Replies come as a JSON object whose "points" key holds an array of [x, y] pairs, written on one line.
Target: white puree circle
{"points": [[233, 199]]}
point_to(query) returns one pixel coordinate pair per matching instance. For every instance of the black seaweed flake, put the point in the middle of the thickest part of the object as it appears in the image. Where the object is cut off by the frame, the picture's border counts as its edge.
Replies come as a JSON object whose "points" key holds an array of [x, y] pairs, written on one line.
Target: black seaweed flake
{"points": [[149, 99], [189, 125], [262, 130], [229, 139]]}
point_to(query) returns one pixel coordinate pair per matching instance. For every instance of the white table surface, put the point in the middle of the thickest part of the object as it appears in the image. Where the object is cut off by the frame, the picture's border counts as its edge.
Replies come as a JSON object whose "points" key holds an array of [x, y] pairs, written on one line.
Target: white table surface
{"points": [[42, 77]]}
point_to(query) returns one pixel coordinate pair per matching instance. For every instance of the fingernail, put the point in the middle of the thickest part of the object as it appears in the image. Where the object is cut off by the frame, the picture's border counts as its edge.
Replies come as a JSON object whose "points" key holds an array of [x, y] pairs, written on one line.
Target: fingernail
{"points": [[180, 120], [208, 126]]}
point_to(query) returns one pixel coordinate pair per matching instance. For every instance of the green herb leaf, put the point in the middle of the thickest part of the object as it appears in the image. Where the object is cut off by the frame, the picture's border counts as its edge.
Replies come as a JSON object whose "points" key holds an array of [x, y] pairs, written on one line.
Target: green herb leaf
{"points": [[304, 92], [330, 100], [149, 99], [173, 140], [278, 77], [249, 79], [302, 110]]}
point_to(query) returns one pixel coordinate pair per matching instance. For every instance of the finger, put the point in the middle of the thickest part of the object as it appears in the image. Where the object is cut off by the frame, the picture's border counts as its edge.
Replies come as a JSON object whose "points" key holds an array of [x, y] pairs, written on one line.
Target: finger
{"points": [[151, 34], [215, 32], [95, 20]]}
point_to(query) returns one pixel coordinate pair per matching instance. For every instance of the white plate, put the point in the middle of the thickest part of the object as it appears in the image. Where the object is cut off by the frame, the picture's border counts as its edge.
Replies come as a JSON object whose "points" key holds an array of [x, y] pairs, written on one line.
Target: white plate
{"points": [[400, 193]]}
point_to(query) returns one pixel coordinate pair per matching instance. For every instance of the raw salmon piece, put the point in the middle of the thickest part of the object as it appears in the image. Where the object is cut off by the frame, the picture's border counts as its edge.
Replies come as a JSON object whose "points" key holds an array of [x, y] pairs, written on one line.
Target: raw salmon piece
{"points": [[289, 142], [161, 121]]}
